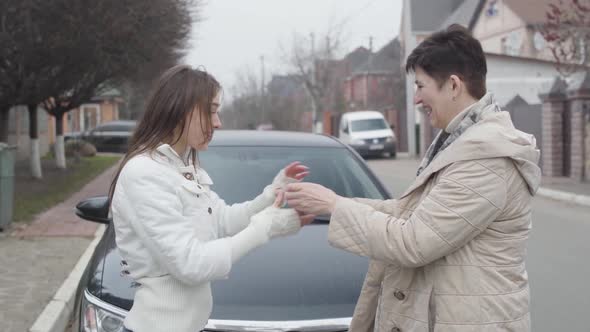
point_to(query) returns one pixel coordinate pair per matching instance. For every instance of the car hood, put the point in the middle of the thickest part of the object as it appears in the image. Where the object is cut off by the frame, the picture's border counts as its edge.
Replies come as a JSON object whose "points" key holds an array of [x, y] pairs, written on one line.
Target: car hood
{"points": [[307, 280]]}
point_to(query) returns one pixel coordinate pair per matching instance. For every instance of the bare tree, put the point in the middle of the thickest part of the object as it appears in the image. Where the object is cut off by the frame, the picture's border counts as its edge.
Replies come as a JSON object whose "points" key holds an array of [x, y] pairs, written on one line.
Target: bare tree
{"points": [[281, 104], [567, 31], [245, 109], [34, 55], [312, 61], [126, 40], [61, 53]]}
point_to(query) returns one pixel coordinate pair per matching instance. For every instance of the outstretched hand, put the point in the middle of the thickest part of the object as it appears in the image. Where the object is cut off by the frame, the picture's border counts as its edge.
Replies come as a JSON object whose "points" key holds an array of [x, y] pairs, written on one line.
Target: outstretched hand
{"points": [[296, 171], [311, 198], [305, 219]]}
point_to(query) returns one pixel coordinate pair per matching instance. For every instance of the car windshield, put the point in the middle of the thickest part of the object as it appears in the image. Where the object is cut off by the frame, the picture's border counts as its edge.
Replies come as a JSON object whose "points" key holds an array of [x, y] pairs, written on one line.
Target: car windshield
{"points": [[298, 277], [241, 173], [368, 124]]}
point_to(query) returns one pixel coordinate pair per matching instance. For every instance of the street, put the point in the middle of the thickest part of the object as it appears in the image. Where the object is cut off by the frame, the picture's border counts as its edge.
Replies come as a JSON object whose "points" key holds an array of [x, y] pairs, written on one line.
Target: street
{"points": [[557, 256]]}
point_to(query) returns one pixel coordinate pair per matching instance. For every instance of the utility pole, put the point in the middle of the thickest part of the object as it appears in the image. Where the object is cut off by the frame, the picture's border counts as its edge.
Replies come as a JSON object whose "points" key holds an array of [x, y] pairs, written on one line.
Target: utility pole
{"points": [[262, 99], [314, 105], [369, 67], [409, 45]]}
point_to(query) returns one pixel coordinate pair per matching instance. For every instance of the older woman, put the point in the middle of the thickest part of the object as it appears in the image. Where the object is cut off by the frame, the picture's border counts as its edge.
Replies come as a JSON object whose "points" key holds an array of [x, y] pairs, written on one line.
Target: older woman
{"points": [[449, 254]]}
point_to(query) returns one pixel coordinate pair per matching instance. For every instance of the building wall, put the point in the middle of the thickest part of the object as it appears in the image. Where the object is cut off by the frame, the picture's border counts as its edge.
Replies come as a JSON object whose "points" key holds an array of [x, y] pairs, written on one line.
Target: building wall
{"points": [[379, 95], [506, 33], [86, 117], [18, 130], [488, 27], [360, 89], [511, 76]]}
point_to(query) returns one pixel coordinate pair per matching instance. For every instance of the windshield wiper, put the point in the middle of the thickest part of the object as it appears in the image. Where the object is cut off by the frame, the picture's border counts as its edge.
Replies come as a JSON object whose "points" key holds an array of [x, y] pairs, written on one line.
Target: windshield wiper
{"points": [[323, 219]]}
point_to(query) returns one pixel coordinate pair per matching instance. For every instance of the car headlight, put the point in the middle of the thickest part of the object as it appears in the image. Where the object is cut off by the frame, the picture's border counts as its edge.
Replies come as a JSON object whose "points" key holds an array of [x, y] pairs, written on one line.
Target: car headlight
{"points": [[357, 142], [389, 139], [97, 319]]}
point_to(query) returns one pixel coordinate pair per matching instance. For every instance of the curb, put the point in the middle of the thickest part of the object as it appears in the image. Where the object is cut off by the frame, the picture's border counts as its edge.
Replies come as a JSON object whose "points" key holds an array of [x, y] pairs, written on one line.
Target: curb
{"points": [[564, 196], [56, 314]]}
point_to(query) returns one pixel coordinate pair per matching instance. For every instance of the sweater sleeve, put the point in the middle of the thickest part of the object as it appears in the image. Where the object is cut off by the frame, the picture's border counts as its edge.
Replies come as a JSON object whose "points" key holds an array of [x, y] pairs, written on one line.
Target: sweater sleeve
{"points": [[233, 218], [468, 197], [154, 212]]}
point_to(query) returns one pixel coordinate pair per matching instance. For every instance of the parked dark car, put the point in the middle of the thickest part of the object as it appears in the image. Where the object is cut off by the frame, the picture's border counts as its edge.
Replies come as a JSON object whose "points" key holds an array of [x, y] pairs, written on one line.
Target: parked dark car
{"points": [[111, 136], [297, 283]]}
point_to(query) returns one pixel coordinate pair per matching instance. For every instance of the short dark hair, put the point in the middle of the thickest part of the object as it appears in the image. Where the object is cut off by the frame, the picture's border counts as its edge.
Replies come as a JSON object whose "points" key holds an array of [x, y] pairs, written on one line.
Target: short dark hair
{"points": [[452, 51]]}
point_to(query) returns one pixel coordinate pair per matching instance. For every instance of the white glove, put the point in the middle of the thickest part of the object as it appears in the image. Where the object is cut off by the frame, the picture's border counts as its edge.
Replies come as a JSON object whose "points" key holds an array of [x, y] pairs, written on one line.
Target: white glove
{"points": [[275, 222], [281, 181], [265, 225], [278, 183]]}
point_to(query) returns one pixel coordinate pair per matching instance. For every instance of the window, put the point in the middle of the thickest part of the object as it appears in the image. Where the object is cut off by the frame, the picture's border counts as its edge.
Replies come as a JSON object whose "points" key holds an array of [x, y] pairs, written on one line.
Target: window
{"points": [[368, 124], [492, 9]]}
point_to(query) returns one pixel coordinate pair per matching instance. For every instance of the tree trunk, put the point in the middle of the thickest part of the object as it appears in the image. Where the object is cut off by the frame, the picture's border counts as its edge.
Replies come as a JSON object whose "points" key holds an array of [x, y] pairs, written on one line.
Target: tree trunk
{"points": [[4, 117], [60, 152], [35, 157]]}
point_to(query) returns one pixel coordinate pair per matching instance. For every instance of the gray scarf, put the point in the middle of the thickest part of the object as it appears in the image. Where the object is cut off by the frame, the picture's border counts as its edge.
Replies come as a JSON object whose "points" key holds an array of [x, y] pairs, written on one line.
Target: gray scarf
{"points": [[476, 111]]}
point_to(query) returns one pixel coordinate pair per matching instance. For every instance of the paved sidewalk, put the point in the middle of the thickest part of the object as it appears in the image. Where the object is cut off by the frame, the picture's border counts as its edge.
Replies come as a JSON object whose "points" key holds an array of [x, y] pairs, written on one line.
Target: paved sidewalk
{"points": [[35, 259], [566, 185]]}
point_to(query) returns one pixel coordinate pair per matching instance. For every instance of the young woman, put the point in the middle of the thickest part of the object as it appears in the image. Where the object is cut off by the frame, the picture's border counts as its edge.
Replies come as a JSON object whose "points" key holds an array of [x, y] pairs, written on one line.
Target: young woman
{"points": [[174, 233]]}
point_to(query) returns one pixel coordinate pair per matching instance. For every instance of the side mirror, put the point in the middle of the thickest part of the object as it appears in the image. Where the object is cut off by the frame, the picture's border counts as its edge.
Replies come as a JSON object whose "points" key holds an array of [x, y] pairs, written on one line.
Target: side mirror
{"points": [[94, 209]]}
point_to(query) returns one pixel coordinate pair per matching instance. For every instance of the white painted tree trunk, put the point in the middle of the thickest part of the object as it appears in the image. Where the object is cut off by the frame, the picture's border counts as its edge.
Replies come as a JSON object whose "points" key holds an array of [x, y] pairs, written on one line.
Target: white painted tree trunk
{"points": [[35, 159], [60, 152]]}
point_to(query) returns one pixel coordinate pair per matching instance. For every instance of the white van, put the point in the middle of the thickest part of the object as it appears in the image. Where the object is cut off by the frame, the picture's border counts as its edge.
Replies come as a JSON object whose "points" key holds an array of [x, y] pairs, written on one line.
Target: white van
{"points": [[368, 133]]}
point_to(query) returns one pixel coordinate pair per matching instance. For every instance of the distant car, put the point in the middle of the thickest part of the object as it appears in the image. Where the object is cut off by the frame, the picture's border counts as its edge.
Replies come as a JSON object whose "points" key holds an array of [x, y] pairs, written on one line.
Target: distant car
{"points": [[111, 136], [368, 133], [296, 283]]}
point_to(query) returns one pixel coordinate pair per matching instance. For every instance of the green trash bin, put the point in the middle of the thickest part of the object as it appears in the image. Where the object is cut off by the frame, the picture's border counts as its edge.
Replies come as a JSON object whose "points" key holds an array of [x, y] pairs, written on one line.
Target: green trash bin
{"points": [[7, 159]]}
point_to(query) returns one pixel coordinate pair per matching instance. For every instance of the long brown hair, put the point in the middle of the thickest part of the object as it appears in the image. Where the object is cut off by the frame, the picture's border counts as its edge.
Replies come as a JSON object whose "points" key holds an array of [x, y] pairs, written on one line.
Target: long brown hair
{"points": [[173, 98]]}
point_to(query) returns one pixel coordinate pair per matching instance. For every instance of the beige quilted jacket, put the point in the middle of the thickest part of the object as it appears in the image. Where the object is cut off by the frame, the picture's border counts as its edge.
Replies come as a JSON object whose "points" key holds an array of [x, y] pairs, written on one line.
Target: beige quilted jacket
{"points": [[449, 254]]}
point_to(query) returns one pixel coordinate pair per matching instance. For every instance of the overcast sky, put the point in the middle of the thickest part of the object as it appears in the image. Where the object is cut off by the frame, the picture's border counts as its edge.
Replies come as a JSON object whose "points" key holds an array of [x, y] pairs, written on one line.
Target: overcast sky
{"points": [[235, 33]]}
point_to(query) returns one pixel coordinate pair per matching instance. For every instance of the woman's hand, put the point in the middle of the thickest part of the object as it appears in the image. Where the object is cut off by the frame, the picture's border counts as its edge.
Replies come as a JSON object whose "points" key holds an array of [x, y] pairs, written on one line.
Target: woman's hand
{"points": [[311, 198], [296, 171], [292, 173], [274, 221]]}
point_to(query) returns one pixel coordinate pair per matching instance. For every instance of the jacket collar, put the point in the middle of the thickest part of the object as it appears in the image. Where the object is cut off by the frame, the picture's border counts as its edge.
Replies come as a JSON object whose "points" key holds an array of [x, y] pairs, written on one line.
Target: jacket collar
{"points": [[201, 175], [172, 155], [493, 137]]}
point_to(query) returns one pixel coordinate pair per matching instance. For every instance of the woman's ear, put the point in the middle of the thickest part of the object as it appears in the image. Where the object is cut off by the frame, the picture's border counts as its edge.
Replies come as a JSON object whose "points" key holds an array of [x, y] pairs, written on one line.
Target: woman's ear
{"points": [[456, 86]]}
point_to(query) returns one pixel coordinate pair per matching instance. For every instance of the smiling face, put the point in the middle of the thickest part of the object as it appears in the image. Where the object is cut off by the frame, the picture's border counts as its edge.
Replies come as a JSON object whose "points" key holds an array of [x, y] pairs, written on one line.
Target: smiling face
{"points": [[436, 101]]}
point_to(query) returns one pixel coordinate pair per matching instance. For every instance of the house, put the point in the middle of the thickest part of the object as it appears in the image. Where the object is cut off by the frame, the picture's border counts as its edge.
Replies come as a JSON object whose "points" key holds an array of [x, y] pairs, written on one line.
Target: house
{"points": [[378, 84], [330, 75], [334, 73], [100, 109]]}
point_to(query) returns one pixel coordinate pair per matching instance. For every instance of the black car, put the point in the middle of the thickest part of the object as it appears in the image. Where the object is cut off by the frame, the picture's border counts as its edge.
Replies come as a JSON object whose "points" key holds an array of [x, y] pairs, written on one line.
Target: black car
{"points": [[297, 283], [111, 136]]}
